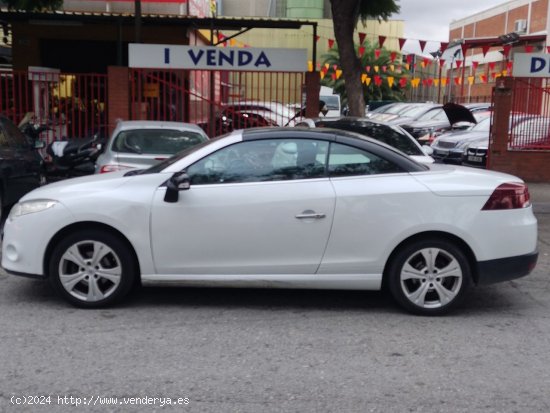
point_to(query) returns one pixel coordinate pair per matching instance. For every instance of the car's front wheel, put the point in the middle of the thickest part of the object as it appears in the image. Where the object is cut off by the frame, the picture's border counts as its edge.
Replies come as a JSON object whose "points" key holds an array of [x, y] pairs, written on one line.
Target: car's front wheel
{"points": [[92, 268], [429, 276]]}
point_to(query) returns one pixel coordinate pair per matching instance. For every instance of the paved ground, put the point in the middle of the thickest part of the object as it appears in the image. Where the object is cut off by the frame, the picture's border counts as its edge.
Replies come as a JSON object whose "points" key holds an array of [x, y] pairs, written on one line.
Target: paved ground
{"points": [[281, 351]]}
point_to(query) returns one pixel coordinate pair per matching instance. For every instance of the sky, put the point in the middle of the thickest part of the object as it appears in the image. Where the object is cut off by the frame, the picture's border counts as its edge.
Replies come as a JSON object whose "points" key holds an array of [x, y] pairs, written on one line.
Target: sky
{"points": [[429, 19]]}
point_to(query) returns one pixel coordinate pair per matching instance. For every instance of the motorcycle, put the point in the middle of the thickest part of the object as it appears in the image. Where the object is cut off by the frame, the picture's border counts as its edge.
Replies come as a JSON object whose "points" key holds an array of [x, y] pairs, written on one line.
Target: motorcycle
{"points": [[66, 158]]}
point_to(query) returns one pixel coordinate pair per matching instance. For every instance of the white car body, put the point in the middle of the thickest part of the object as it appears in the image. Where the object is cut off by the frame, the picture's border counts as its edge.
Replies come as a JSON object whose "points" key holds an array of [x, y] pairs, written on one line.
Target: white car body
{"points": [[247, 234]]}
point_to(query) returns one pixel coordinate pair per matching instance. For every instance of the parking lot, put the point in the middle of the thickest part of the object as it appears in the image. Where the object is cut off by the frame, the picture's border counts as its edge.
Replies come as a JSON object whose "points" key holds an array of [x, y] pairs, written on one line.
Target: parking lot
{"points": [[229, 350]]}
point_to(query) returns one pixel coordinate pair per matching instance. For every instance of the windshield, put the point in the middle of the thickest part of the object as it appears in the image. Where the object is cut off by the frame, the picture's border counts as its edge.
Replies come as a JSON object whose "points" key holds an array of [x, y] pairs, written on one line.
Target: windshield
{"points": [[432, 114], [173, 159], [483, 125], [332, 101], [415, 111], [156, 141]]}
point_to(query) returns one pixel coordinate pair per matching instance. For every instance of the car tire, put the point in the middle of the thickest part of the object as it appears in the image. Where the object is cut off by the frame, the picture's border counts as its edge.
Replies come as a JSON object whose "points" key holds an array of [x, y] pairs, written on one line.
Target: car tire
{"points": [[92, 269], [429, 276]]}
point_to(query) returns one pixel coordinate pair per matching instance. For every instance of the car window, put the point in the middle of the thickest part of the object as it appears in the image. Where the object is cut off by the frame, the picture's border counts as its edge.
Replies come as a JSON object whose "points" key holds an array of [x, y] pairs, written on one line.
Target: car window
{"points": [[431, 114], [380, 132], [262, 160], [347, 160], [156, 141]]}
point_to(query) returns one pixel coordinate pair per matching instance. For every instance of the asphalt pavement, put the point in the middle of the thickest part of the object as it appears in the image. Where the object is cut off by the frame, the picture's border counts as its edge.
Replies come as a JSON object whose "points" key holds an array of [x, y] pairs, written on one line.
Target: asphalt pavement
{"points": [[231, 350]]}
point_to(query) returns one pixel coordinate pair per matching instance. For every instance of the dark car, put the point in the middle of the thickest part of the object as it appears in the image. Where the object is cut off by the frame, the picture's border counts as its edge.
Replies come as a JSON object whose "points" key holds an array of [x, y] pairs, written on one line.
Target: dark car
{"points": [[436, 122], [21, 166], [389, 134]]}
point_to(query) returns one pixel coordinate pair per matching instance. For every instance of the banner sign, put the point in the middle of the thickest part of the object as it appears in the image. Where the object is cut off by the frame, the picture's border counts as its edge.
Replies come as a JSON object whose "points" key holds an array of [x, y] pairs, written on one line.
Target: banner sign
{"points": [[158, 56], [531, 65]]}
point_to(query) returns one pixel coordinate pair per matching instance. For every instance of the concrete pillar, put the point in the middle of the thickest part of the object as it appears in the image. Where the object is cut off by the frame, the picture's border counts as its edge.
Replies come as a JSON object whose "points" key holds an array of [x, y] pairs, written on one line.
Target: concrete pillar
{"points": [[313, 86], [502, 106], [118, 92]]}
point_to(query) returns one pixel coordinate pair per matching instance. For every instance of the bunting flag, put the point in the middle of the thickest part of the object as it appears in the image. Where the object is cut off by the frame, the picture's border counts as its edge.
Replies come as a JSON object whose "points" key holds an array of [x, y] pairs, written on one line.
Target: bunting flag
{"points": [[547, 49], [322, 74], [443, 46], [338, 73], [485, 49], [392, 68], [506, 49], [361, 50], [403, 82], [441, 62], [426, 61], [504, 72], [376, 69], [334, 67], [369, 80], [333, 75], [232, 42], [492, 65], [309, 66], [364, 78], [474, 65], [494, 75], [422, 44], [377, 80], [377, 53], [330, 43], [324, 69], [393, 56], [483, 78], [436, 82], [529, 48], [415, 82], [362, 37], [407, 66], [367, 68], [457, 81], [327, 65], [390, 80], [381, 40], [458, 63], [410, 58], [471, 80], [221, 37], [430, 81], [509, 65], [444, 81], [384, 69], [402, 43]]}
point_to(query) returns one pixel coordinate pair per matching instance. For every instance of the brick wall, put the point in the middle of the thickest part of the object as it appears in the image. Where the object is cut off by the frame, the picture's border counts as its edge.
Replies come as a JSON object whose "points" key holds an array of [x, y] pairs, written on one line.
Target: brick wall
{"points": [[118, 95]]}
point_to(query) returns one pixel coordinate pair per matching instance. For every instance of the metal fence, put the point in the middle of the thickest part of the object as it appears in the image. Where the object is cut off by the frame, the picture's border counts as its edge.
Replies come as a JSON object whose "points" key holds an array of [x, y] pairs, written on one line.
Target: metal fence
{"points": [[530, 117], [218, 101], [72, 105]]}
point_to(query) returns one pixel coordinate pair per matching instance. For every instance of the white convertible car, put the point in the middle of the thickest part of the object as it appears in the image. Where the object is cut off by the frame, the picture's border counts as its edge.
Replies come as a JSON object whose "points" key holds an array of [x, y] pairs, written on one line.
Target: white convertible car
{"points": [[278, 207]]}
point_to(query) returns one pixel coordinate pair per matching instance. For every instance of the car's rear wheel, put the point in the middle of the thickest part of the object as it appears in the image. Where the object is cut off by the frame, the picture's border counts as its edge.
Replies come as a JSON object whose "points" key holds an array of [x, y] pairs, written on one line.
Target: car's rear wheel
{"points": [[429, 276], [92, 268]]}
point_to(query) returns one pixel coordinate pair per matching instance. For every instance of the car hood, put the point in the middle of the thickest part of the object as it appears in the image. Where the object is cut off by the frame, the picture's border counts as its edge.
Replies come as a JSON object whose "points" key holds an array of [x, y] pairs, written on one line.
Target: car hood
{"points": [[479, 143], [450, 180], [426, 124], [461, 136], [458, 113]]}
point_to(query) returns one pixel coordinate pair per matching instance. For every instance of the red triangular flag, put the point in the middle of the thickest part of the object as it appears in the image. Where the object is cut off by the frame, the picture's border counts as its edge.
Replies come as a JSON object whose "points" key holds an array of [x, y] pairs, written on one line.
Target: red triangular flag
{"points": [[547, 49], [422, 44], [426, 61], [377, 80], [384, 69], [330, 43], [381, 40], [443, 46], [430, 81], [485, 49], [410, 58], [529, 48], [393, 56], [441, 62], [335, 67], [362, 37], [403, 82], [474, 65], [361, 50], [492, 65], [509, 65], [402, 43], [458, 63], [333, 76], [483, 78], [377, 53]]}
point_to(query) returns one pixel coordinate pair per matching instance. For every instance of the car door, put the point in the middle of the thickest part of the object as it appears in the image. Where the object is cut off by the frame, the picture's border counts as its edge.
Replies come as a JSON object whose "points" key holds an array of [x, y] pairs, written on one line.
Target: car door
{"points": [[255, 207]]}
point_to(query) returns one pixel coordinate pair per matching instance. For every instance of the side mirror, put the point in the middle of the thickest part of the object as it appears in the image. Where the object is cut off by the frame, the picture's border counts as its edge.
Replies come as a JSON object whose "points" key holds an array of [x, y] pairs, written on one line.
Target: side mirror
{"points": [[39, 144], [428, 150], [178, 182]]}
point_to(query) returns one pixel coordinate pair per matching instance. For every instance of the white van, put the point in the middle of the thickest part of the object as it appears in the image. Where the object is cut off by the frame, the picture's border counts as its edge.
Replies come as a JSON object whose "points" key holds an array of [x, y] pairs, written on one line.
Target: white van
{"points": [[332, 101]]}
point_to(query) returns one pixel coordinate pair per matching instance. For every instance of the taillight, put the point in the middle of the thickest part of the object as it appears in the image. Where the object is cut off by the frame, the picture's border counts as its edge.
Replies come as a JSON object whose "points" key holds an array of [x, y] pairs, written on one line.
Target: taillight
{"points": [[511, 195]]}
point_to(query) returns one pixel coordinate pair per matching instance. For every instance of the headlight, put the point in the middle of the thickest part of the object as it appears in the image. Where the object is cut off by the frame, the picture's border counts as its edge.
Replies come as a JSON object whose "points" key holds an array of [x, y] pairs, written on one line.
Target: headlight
{"points": [[30, 207]]}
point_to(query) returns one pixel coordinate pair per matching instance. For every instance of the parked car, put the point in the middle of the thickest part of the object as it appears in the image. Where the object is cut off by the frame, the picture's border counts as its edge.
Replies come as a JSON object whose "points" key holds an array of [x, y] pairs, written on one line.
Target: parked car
{"points": [[278, 207], [436, 122], [449, 147], [390, 135], [142, 143], [526, 130], [395, 110], [21, 165]]}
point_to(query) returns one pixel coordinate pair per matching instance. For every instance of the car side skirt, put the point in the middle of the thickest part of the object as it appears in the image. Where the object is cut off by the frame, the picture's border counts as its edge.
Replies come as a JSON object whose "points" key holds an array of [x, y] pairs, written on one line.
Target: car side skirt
{"points": [[505, 269], [310, 281]]}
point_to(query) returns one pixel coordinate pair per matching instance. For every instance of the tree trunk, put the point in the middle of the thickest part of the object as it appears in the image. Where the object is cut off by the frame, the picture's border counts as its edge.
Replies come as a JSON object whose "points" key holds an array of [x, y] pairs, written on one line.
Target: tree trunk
{"points": [[344, 17]]}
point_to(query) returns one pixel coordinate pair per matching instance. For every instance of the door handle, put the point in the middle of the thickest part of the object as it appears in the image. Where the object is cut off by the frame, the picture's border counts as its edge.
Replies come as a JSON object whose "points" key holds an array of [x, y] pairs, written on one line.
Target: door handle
{"points": [[310, 215]]}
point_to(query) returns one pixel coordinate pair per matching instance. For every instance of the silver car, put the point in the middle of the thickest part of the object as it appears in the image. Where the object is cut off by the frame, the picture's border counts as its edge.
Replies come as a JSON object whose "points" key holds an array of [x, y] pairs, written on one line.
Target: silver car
{"points": [[142, 143]]}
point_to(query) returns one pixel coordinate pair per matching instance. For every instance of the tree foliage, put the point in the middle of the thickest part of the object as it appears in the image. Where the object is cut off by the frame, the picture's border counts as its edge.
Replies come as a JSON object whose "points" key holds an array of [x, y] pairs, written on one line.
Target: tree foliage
{"points": [[345, 16], [371, 92], [34, 5]]}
